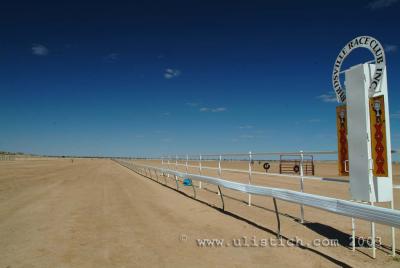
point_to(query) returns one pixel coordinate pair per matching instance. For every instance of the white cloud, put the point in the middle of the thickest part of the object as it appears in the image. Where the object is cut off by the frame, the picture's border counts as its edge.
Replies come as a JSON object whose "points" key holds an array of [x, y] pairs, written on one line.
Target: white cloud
{"points": [[391, 48], [213, 110], [112, 57], [247, 136], [379, 4], [314, 120], [246, 127], [219, 109], [171, 73], [330, 97], [192, 104], [166, 114], [395, 115], [39, 50]]}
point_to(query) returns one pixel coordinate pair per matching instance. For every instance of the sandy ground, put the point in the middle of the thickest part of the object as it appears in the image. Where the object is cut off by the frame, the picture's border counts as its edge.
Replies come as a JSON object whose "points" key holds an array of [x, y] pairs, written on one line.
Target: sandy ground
{"points": [[96, 213]]}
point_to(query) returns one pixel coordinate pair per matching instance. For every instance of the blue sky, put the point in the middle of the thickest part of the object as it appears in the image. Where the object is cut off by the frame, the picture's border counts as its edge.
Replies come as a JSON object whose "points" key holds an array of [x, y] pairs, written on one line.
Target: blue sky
{"points": [[170, 77]]}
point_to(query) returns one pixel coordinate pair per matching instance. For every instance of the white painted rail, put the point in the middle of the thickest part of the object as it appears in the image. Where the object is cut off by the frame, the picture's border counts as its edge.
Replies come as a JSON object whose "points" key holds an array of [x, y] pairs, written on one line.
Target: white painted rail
{"points": [[351, 209]]}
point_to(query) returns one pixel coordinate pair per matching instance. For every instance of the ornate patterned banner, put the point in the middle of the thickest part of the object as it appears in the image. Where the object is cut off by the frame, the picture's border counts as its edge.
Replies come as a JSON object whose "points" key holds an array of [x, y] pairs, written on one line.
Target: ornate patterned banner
{"points": [[343, 149], [378, 136]]}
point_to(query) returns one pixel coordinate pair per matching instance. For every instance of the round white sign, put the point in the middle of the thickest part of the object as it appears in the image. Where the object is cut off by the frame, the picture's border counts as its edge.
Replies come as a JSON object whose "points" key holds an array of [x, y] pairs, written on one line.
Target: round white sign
{"points": [[372, 45]]}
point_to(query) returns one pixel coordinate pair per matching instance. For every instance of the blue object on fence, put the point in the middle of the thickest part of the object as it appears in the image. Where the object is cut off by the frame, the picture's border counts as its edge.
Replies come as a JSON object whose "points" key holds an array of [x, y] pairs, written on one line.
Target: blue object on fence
{"points": [[187, 182]]}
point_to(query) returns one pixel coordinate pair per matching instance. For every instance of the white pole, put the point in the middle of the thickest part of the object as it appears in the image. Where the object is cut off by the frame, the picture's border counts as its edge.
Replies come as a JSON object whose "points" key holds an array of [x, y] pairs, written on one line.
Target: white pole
{"points": [[302, 184], [187, 159], [219, 169], [373, 237], [219, 166], [353, 233], [200, 171], [393, 229], [250, 158], [393, 234], [162, 164], [168, 165]]}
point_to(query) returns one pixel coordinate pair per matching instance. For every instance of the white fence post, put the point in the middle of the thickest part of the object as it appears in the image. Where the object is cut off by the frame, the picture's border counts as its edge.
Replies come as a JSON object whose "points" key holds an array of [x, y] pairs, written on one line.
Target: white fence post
{"points": [[393, 234], [200, 171], [301, 184], [187, 159], [219, 170], [373, 237], [353, 234], [168, 166], [393, 229], [250, 171], [219, 166]]}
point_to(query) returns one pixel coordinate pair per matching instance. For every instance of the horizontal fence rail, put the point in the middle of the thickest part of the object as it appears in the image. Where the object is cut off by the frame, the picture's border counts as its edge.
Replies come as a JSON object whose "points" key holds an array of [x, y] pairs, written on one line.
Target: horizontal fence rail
{"points": [[351, 209], [270, 174]]}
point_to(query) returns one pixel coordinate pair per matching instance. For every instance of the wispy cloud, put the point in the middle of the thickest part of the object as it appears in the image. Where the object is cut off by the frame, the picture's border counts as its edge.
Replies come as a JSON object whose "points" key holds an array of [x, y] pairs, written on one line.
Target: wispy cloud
{"points": [[39, 50], [391, 48], [192, 104], [166, 114], [247, 136], [213, 110], [314, 120], [379, 4], [330, 97], [396, 115], [112, 57], [246, 127], [171, 73], [139, 136]]}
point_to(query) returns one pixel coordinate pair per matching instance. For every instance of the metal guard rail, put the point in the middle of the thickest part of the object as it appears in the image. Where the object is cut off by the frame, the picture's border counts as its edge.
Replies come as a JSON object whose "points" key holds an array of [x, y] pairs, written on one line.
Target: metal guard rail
{"points": [[366, 212]]}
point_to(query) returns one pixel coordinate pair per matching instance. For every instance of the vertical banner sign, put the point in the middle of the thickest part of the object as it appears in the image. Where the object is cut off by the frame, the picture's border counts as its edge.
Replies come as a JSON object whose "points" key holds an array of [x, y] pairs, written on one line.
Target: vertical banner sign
{"points": [[343, 149], [378, 136]]}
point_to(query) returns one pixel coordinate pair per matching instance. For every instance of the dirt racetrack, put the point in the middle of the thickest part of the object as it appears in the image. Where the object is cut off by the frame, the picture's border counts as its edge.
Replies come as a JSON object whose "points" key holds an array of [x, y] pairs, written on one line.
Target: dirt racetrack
{"points": [[97, 213]]}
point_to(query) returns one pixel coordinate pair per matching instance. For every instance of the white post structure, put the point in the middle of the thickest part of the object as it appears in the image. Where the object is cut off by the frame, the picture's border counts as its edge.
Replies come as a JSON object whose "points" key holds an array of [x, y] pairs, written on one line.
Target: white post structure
{"points": [[219, 166], [353, 234], [200, 170], [393, 234], [301, 184], [186, 164], [373, 237], [250, 171], [363, 123], [168, 166], [219, 170]]}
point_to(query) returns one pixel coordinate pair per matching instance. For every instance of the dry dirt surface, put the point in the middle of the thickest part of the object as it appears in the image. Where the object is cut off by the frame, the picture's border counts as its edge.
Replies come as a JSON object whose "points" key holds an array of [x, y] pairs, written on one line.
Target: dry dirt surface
{"points": [[97, 213]]}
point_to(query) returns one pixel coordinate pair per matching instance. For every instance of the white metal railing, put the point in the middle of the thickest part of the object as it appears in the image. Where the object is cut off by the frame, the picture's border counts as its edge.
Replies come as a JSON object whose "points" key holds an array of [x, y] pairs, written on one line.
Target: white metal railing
{"points": [[341, 207], [204, 158], [357, 210]]}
